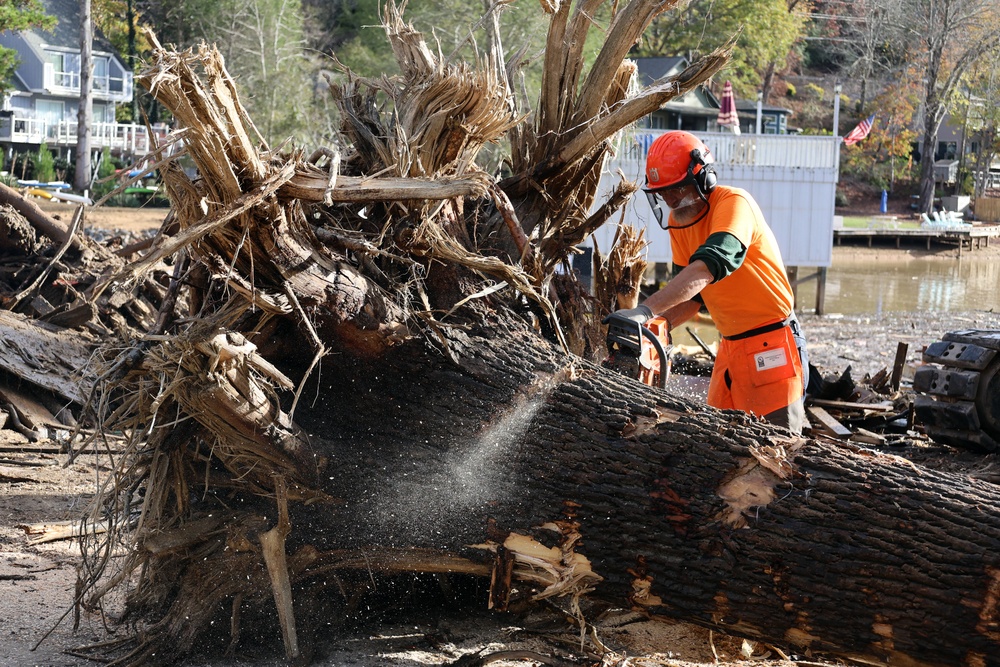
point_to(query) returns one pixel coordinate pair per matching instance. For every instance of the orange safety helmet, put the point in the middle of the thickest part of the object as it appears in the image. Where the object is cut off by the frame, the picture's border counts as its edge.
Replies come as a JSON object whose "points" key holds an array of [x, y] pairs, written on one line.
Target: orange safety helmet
{"points": [[677, 157]]}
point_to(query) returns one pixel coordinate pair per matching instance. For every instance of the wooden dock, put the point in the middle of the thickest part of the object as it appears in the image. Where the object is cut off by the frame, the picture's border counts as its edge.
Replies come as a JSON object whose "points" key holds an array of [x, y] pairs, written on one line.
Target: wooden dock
{"points": [[964, 238]]}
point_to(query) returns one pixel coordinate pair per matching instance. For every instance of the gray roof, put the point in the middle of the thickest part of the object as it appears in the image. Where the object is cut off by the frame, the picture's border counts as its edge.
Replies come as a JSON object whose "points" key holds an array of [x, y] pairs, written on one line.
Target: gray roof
{"points": [[651, 69], [66, 33], [751, 106]]}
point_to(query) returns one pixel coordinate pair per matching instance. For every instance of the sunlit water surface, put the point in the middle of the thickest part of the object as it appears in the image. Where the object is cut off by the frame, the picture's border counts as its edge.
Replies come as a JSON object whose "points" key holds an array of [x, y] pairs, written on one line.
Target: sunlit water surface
{"points": [[865, 286]]}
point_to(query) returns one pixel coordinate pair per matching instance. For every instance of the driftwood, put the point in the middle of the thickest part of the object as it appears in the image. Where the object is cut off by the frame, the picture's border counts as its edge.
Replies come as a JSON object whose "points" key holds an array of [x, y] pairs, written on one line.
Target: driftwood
{"points": [[40, 533], [447, 428], [47, 356]]}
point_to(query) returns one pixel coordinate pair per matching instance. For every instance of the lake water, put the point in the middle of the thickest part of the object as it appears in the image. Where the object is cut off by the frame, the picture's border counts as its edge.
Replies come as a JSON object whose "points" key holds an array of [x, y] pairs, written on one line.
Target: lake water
{"points": [[863, 285]]}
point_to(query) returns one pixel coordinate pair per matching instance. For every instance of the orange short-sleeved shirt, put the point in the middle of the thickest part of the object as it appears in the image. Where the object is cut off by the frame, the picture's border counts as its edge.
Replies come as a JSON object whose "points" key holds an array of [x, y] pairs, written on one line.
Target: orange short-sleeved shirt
{"points": [[758, 292]]}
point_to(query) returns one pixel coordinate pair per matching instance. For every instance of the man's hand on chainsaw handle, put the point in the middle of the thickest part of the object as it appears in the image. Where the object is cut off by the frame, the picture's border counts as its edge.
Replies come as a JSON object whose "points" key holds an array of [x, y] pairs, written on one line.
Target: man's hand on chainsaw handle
{"points": [[640, 314]]}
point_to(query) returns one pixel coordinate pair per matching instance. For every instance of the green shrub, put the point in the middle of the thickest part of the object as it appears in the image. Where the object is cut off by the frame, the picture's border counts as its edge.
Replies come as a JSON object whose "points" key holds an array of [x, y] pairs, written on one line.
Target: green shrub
{"points": [[840, 199], [45, 165], [816, 92], [790, 90], [968, 183], [105, 181]]}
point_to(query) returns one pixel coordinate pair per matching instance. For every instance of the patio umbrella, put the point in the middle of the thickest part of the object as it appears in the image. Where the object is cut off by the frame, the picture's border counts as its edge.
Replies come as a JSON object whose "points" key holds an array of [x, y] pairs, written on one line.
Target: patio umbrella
{"points": [[727, 110]]}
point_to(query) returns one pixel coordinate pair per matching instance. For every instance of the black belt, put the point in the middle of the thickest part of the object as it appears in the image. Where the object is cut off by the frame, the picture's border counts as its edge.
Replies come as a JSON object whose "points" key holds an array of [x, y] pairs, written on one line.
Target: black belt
{"points": [[767, 328]]}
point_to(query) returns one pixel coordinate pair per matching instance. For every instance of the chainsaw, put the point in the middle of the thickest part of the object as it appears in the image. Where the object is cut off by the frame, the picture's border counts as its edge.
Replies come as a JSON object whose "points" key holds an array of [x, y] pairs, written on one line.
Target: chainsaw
{"points": [[640, 351]]}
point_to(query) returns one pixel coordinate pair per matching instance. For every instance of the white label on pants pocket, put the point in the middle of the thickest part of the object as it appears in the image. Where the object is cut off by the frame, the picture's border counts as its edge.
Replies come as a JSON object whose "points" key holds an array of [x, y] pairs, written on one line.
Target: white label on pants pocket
{"points": [[763, 361]]}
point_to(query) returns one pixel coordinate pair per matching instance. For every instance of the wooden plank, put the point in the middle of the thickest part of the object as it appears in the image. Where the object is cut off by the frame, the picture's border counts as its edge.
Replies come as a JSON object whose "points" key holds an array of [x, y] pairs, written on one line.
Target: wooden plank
{"points": [[62, 530], [884, 406], [867, 437], [897, 366], [827, 423], [988, 208], [31, 412], [31, 449]]}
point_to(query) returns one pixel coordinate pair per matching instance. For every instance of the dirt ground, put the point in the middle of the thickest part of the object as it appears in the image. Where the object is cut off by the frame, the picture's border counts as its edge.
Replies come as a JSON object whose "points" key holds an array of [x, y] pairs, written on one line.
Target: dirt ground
{"points": [[37, 581], [104, 217]]}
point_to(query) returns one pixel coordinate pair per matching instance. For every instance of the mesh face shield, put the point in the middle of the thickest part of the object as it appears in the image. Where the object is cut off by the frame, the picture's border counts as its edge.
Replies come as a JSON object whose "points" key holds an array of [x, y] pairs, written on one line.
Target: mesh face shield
{"points": [[672, 198]]}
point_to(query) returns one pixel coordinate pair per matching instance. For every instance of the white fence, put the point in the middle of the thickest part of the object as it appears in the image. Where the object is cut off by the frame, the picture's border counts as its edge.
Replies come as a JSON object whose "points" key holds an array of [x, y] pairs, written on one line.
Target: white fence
{"points": [[752, 150], [793, 178], [128, 138]]}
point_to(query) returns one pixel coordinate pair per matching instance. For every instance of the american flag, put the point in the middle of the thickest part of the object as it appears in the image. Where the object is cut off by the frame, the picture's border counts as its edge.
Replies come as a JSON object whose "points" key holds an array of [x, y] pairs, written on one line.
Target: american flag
{"points": [[860, 132]]}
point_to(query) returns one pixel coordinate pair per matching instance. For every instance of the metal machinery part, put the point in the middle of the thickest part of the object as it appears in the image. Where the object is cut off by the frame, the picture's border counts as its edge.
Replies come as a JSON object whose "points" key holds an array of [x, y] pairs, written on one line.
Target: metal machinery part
{"points": [[958, 389]]}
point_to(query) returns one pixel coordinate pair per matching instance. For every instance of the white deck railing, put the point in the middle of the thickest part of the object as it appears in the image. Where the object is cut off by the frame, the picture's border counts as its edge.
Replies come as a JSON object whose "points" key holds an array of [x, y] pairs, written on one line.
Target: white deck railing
{"points": [[128, 138], [752, 150]]}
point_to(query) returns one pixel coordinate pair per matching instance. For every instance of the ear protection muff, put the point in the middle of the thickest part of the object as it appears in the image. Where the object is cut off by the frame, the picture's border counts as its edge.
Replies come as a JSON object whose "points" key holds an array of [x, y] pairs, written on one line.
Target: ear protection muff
{"points": [[705, 178]]}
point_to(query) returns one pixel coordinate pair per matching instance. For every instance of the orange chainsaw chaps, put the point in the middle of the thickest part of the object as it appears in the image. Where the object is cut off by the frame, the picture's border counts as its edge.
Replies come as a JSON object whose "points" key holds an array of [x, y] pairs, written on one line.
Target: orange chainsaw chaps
{"points": [[649, 361]]}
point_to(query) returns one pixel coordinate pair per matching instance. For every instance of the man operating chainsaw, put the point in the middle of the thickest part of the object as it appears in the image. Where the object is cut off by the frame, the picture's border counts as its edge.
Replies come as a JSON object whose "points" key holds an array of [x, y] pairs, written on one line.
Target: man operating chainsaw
{"points": [[726, 258]]}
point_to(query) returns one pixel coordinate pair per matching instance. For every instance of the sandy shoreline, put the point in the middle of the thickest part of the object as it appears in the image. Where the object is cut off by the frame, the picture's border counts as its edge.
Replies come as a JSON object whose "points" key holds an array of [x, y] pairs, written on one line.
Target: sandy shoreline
{"points": [[858, 249]]}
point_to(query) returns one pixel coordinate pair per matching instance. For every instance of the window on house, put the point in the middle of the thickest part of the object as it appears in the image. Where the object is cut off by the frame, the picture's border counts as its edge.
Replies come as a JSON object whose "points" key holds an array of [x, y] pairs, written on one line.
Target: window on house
{"points": [[101, 73], [66, 67], [694, 124], [104, 113], [947, 150], [51, 111]]}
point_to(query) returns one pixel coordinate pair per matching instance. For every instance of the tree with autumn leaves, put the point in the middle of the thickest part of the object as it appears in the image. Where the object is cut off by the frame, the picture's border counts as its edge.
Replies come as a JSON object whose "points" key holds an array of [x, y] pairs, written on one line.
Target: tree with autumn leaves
{"points": [[886, 155], [18, 15]]}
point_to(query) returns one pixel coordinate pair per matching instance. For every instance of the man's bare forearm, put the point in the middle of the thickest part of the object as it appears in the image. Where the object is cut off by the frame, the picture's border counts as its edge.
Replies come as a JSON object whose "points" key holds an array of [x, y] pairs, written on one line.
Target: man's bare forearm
{"points": [[680, 290], [681, 313]]}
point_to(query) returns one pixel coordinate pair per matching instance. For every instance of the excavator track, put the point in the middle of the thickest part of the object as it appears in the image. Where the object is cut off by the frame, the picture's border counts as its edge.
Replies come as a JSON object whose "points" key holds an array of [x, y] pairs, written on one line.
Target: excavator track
{"points": [[958, 390]]}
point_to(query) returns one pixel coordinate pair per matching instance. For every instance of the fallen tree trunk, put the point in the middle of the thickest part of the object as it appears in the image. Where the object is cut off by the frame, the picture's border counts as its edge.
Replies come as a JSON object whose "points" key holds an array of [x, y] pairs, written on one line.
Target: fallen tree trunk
{"points": [[707, 516], [38, 218], [47, 356]]}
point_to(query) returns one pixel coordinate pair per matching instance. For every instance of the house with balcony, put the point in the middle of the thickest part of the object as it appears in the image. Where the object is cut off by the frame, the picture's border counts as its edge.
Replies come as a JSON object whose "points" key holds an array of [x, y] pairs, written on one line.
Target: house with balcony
{"points": [[694, 111], [773, 120], [42, 105]]}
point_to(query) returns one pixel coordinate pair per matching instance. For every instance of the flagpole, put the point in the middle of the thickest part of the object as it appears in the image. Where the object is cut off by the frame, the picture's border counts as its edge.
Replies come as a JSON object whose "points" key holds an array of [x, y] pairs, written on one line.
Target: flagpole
{"points": [[760, 102], [892, 158], [836, 110]]}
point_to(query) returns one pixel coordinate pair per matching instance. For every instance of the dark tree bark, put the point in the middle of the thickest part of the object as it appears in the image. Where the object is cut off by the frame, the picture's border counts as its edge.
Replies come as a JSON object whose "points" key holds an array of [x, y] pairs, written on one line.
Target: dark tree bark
{"points": [[841, 551]]}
